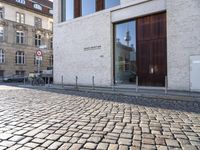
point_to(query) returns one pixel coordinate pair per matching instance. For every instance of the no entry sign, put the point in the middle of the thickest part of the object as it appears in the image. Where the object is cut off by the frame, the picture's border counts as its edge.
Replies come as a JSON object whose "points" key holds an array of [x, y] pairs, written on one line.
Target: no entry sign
{"points": [[39, 53]]}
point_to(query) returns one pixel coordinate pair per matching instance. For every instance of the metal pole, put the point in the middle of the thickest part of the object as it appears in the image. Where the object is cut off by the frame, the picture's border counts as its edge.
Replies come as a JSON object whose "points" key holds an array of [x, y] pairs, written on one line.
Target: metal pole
{"points": [[62, 81], [137, 83], [76, 82], [48, 81], [166, 84], [93, 85], [38, 66], [24, 80]]}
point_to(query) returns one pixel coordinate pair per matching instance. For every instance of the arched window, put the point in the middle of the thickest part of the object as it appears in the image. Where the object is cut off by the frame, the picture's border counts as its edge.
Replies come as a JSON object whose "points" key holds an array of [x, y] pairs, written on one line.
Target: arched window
{"points": [[2, 56], [20, 57]]}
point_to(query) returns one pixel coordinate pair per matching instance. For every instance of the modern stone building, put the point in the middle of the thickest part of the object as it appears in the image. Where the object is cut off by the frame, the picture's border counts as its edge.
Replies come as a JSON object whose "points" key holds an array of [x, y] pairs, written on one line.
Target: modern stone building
{"points": [[25, 25], [117, 41]]}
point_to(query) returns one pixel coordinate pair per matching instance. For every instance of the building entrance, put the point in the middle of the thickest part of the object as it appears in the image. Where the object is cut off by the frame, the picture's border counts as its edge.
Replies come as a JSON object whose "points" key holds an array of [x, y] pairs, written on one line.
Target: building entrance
{"points": [[140, 50]]}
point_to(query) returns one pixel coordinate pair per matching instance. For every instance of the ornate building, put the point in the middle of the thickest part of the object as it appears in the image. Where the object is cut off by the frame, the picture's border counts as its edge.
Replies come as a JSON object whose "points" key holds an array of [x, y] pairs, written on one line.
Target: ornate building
{"points": [[25, 25]]}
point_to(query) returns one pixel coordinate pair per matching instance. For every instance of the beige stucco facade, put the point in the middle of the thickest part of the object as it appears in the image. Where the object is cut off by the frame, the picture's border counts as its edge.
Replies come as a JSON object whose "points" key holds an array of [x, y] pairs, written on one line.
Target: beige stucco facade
{"points": [[10, 47]]}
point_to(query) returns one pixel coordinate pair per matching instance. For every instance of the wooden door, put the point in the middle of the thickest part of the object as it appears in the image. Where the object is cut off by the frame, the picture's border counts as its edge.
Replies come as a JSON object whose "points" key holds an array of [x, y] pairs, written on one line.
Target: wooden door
{"points": [[151, 50]]}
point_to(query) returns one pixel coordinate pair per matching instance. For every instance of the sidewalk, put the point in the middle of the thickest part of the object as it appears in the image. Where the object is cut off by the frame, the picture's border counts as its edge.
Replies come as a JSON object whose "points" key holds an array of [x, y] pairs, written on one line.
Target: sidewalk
{"points": [[155, 93]]}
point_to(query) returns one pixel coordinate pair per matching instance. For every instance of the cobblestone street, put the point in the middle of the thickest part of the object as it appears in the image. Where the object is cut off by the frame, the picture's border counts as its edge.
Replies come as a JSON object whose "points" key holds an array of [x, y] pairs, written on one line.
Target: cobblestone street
{"points": [[36, 119]]}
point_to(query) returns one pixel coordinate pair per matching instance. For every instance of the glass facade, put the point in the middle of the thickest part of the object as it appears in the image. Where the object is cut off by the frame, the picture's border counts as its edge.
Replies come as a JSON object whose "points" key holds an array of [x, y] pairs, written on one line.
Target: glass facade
{"points": [[72, 9], [111, 3], [125, 53], [88, 7], [67, 9]]}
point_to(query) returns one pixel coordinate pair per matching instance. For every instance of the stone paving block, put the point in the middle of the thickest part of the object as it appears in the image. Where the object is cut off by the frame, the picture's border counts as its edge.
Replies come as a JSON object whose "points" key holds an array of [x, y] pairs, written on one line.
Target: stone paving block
{"points": [[14, 147], [113, 147], [189, 147], [172, 143], [53, 137], [39, 141], [47, 143], [90, 145], [3, 147], [75, 147], [102, 146], [5, 136], [122, 141], [25, 140], [65, 146], [7, 143], [31, 145], [123, 147], [55, 145], [16, 138]]}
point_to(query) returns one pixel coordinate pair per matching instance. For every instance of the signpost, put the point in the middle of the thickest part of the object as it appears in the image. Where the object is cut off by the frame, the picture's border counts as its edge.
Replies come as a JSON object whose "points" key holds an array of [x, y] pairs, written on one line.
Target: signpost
{"points": [[39, 59]]}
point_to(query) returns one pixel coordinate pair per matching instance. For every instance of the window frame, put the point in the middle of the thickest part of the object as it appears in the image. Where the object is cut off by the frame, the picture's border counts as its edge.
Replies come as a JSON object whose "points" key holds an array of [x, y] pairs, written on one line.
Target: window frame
{"points": [[21, 36], [38, 40], [2, 56], [20, 58], [1, 33], [1, 13], [20, 17], [38, 22]]}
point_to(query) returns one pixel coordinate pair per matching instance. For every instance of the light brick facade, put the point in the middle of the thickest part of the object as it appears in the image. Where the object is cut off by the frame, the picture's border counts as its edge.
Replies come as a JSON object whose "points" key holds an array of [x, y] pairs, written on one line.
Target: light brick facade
{"points": [[74, 36]]}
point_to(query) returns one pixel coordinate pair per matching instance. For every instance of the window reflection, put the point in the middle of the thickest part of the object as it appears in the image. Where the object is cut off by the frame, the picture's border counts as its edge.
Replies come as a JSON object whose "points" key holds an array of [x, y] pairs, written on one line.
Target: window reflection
{"points": [[67, 9], [125, 52], [88, 7], [111, 3]]}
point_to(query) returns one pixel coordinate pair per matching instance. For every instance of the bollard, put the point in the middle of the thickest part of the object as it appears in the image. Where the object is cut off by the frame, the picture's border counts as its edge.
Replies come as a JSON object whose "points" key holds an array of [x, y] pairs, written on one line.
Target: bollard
{"points": [[93, 85], [76, 82], [48, 81], [137, 82], [113, 86], [24, 81], [166, 85], [62, 81]]}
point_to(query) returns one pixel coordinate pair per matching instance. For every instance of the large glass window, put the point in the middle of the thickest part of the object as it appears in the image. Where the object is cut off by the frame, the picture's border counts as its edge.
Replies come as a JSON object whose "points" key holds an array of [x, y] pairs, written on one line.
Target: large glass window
{"points": [[111, 3], [67, 11], [20, 57], [2, 56], [125, 53], [88, 7]]}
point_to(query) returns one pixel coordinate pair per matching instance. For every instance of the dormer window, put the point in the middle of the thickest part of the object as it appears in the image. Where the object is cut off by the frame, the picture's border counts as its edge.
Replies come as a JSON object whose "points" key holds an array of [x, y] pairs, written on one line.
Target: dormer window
{"points": [[51, 11], [37, 6], [21, 1]]}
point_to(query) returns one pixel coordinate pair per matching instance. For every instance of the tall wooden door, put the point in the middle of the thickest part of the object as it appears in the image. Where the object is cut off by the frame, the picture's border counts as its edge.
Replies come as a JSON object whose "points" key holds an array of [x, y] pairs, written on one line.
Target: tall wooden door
{"points": [[152, 50]]}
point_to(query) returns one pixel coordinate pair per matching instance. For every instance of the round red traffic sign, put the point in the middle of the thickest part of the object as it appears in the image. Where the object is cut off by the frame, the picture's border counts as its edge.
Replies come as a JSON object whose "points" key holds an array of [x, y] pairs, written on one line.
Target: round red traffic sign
{"points": [[39, 53]]}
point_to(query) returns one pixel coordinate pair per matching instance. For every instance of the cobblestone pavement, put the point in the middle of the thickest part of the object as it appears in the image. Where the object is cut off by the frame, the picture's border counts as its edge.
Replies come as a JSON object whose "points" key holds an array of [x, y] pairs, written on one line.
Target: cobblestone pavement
{"points": [[35, 119]]}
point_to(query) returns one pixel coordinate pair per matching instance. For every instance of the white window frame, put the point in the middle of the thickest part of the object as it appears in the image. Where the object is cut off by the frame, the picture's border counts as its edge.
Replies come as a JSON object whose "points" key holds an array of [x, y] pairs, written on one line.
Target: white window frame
{"points": [[21, 1], [20, 35], [1, 33], [37, 6], [20, 17], [38, 40], [20, 58], [2, 56], [1, 12], [38, 22]]}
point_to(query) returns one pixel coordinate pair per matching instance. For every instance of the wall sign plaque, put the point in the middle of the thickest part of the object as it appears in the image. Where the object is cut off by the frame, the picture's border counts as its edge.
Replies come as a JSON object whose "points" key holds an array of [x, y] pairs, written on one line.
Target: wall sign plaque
{"points": [[92, 48]]}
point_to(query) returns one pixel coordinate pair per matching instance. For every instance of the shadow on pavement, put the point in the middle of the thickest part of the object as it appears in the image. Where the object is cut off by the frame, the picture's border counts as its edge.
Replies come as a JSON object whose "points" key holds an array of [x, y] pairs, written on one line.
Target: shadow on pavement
{"points": [[175, 105]]}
